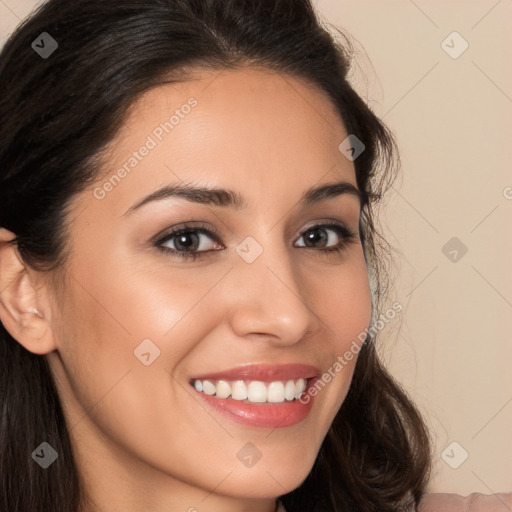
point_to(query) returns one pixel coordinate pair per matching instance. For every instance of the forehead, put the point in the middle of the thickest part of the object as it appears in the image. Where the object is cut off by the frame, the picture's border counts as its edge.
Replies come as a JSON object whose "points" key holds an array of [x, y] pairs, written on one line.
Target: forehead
{"points": [[252, 130]]}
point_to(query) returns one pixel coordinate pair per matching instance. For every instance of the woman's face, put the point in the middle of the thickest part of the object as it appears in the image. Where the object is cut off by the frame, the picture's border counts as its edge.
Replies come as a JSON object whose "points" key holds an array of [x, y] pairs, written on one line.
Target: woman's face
{"points": [[137, 321]]}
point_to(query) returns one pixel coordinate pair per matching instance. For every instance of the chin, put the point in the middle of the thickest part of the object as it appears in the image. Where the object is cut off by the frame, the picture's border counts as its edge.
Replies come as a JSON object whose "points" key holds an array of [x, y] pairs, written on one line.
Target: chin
{"points": [[269, 481]]}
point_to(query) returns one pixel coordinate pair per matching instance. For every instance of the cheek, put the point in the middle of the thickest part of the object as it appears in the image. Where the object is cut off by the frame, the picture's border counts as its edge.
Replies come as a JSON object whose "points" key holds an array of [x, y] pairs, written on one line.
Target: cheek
{"points": [[140, 406], [341, 297], [123, 304], [125, 331]]}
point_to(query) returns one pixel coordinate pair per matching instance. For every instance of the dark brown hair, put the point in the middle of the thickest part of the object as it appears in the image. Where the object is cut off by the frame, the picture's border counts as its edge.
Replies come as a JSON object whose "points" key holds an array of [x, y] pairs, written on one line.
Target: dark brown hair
{"points": [[58, 113]]}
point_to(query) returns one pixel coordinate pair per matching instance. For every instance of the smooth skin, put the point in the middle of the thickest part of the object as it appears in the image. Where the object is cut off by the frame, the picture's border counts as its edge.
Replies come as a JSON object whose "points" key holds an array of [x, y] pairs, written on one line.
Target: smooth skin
{"points": [[143, 440]]}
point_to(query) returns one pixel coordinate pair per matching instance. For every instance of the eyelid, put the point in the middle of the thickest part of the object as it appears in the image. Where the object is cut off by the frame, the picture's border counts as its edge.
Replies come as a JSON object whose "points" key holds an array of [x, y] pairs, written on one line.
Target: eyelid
{"points": [[187, 226], [209, 229], [346, 234], [331, 223]]}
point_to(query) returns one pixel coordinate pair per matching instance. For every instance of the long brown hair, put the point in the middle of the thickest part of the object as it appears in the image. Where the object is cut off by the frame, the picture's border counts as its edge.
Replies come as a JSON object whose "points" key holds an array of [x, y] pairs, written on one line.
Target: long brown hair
{"points": [[59, 111]]}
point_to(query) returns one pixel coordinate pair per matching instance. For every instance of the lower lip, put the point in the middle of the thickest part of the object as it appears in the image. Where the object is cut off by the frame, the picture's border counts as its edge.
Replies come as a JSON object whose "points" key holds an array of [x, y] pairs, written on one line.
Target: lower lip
{"points": [[265, 414]]}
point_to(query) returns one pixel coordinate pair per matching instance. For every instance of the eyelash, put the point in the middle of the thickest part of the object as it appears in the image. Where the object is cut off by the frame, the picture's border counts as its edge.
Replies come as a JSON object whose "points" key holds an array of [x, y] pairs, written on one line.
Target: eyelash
{"points": [[345, 234]]}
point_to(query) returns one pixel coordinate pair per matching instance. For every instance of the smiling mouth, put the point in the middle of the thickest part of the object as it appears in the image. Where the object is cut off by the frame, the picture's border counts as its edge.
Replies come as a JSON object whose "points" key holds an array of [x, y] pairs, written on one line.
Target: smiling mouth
{"points": [[253, 391]]}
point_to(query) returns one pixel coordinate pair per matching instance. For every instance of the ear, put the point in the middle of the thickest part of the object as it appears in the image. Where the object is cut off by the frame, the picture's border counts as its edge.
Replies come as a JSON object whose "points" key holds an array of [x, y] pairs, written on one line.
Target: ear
{"points": [[24, 308]]}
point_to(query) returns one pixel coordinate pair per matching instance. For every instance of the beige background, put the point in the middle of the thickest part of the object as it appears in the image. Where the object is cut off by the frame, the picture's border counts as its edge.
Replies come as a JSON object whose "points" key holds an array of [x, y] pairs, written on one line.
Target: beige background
{"points": [[451, 348]]}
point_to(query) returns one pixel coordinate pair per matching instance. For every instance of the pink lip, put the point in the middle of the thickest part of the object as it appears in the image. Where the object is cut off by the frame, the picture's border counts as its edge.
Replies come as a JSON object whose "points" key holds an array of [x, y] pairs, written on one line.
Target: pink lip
{"points": [[266, 415], [264, 372]]}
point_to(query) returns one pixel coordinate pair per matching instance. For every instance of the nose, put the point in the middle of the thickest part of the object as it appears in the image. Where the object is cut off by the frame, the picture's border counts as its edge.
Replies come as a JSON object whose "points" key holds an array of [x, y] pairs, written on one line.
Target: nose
{"points": [[269, 300]]}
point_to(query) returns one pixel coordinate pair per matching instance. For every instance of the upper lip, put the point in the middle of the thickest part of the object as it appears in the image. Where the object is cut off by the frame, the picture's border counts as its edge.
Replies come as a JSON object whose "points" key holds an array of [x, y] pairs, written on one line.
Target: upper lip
{"points": [[263, 372]]}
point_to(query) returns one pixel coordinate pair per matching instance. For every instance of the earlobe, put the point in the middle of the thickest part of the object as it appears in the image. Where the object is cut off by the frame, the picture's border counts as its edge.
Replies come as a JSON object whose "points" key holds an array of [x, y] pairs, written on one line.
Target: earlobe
{"points": [[21, 311]]}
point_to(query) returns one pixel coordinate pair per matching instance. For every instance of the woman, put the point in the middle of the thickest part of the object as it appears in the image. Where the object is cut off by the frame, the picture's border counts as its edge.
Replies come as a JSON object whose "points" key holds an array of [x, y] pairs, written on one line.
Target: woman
{"points": [[190, 267]]}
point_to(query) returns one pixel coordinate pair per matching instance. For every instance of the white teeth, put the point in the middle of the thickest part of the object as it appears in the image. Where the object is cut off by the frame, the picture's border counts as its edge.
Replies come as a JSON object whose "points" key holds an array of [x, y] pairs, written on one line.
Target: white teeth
{"points": [[257, 391], [300, 386], [239, 390], [289, 390], [208, 387], [275, 392], [253, 391], [223, 389]]}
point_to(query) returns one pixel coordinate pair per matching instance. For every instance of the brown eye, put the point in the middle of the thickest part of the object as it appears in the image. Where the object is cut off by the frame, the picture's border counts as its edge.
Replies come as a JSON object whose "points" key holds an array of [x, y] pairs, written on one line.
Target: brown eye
{"points": [[327, 237], [188, 242]]}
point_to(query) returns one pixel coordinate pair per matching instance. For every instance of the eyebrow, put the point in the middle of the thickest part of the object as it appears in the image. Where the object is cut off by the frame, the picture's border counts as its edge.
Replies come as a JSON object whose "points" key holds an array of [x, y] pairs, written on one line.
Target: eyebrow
{"points": [[230, 198]]}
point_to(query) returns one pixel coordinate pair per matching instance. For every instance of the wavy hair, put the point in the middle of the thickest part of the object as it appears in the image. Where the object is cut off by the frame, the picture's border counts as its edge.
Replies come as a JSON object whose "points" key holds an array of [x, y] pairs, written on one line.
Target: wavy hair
{"points": [[59, 113]]}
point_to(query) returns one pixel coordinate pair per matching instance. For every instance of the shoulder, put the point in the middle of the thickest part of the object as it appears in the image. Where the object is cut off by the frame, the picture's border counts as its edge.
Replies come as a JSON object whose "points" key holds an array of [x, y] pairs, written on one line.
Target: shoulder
{"points": [[474, 502]]}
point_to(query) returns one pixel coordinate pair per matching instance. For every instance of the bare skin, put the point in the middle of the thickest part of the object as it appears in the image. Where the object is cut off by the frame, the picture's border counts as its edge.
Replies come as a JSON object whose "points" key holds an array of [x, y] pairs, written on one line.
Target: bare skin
{"points": [[142, 439]]}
